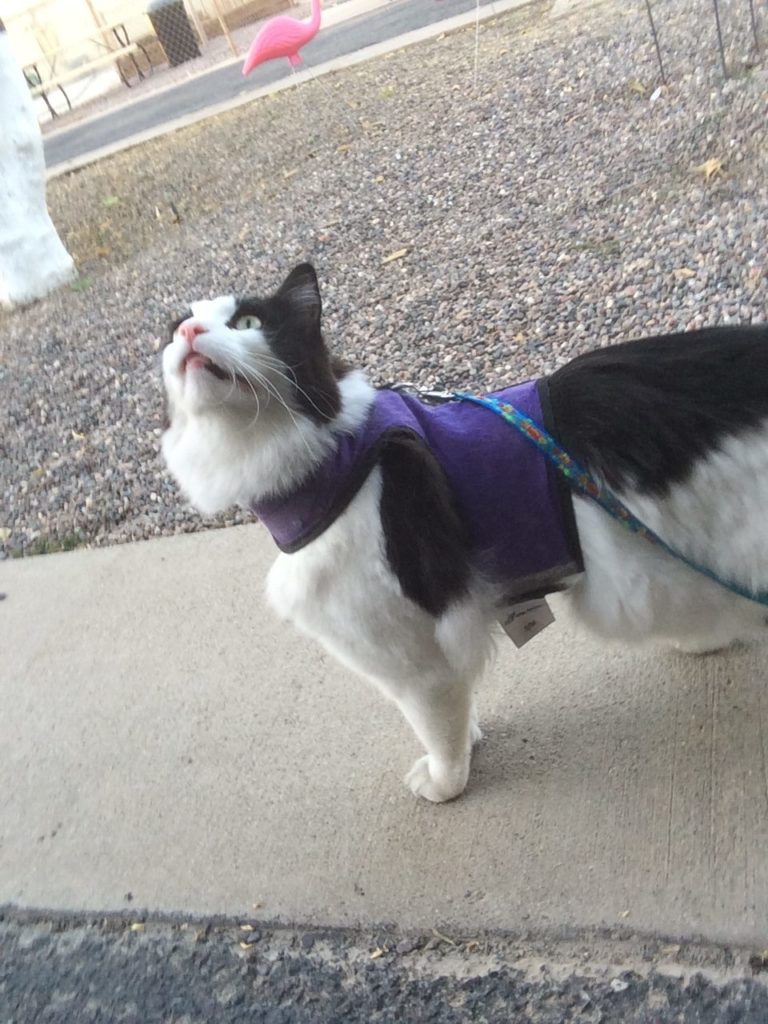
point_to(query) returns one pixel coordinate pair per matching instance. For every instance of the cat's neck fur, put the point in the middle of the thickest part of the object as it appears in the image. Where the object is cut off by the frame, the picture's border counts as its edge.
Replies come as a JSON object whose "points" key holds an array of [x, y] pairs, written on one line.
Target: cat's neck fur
{"points": [[238, 459]]}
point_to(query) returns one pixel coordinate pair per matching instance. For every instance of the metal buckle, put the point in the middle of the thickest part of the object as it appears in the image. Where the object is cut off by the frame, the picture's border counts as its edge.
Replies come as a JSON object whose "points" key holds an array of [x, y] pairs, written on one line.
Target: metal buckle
{"points": [[424, 394]]}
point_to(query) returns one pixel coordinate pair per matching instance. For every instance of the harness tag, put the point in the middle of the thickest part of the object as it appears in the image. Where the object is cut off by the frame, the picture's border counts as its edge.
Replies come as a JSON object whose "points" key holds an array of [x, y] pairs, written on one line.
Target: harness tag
{"points": [[522, 621]]}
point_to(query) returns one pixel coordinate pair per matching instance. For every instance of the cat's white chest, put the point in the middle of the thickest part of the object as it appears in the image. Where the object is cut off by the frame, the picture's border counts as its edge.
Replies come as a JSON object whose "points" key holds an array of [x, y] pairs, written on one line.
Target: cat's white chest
{"points": [[341, 570]]}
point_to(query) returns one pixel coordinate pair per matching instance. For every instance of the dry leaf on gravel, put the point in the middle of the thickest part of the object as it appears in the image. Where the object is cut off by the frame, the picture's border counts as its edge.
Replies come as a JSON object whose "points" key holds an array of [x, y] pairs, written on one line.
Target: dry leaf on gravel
{"points": [[394, 256], [711, 168], [442, 938]]}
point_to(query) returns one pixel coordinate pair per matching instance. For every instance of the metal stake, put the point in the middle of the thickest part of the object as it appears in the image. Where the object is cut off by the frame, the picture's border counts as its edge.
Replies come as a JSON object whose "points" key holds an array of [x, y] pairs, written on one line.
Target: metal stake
{"points": [[720, 38], [656, 41], [753, 20]]}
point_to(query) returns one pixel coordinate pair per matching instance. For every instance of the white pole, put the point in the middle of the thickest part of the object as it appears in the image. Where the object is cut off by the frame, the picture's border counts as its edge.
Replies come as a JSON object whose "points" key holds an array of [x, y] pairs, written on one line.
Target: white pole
{"points": [[33, 260]]}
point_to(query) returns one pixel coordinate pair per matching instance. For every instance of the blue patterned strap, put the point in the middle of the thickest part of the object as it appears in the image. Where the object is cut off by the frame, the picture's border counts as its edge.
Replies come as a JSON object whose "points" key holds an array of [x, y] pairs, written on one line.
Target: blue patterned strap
{"points": [[583, 482]]}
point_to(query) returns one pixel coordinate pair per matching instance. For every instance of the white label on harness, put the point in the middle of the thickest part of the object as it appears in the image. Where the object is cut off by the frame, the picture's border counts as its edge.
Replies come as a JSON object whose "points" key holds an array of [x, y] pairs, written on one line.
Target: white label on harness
{"points": [[522, 621]]}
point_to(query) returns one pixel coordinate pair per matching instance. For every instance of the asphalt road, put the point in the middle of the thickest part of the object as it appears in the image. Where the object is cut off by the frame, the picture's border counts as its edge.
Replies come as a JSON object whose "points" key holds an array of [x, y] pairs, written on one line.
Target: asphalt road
{"points": [[60, 971], [226, 83]]}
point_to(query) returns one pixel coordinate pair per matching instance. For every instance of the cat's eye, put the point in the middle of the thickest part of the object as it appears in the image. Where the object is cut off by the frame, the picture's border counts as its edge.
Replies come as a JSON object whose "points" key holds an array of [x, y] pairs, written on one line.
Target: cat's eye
{"points": [[247, 323]]}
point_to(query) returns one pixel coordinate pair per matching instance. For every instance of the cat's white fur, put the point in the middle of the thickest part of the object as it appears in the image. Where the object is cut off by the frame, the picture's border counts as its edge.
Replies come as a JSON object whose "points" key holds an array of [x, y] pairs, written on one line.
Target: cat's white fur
{"points": [[341, 590]]}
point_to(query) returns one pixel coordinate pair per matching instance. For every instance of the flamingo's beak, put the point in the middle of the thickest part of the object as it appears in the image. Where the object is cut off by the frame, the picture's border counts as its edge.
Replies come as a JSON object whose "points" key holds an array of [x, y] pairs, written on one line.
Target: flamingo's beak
{"points": [[251, 58]]}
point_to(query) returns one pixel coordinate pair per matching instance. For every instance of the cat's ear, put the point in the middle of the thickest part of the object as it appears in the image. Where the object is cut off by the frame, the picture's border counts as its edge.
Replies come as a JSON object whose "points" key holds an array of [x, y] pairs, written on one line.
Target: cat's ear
{"points": [[302, 291]]}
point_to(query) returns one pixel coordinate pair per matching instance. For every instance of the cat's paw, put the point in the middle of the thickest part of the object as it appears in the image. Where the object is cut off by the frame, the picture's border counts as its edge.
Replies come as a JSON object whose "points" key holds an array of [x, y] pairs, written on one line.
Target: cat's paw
{"points": [[475, 732], [431, 782], [701, 646]]}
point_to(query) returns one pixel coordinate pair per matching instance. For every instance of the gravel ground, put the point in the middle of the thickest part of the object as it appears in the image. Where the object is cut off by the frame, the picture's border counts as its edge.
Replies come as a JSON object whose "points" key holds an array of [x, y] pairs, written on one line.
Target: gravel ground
{"points": [[195, 973], [560, 205]]}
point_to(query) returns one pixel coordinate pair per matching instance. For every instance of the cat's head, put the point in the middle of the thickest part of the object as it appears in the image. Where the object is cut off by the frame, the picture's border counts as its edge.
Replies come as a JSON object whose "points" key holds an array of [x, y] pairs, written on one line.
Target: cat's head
{"points": [[254, 399], [245, 357]]}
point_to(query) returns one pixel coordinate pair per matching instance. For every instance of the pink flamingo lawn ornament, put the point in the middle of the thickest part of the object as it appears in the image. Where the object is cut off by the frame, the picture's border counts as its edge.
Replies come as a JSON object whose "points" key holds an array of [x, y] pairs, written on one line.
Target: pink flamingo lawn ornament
{"points": [[282, 37]]}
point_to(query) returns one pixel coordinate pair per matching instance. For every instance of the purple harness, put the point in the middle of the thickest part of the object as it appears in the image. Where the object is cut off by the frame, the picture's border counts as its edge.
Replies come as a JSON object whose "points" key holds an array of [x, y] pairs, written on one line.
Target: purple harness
{"points": [[517, 509]]}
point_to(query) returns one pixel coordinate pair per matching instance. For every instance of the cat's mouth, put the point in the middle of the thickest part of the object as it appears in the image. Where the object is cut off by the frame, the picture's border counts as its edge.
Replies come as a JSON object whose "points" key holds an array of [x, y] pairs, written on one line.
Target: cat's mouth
{"points": [[196, 360]]}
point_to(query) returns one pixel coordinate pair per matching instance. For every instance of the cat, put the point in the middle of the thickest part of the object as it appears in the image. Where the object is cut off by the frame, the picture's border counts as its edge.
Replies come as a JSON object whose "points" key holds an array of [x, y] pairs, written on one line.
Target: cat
{"points": [[388, 553]]}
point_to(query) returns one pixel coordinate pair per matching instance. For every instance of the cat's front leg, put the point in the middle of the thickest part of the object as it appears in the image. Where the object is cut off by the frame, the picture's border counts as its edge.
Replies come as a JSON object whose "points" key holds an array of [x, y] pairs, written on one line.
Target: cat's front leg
{"points": [[404, 662], [341, 590], [439, 709], [442, 715]]}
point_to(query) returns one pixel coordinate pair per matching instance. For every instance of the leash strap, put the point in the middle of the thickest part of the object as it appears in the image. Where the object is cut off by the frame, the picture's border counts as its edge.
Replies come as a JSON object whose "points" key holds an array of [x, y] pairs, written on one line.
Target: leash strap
{"points": [[580, 480]]}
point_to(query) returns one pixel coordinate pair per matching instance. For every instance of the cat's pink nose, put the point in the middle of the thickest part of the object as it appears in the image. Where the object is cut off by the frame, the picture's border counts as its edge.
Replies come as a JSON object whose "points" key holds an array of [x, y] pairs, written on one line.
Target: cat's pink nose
{"points": [[190, 329]]}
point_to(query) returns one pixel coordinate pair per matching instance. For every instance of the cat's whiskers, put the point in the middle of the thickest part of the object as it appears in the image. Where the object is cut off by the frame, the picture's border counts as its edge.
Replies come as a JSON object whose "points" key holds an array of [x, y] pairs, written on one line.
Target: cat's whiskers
{"points": [[231, 391], [276, 366], [242, 373], [295, 422], [239, 371], [235, 377], [270, 387], [243, 376], [247, 370]]}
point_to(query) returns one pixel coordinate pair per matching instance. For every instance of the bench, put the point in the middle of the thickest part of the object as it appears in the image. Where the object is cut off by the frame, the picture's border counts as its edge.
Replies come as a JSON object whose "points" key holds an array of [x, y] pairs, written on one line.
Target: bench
{"points": [[84, 69], [35, 79]]}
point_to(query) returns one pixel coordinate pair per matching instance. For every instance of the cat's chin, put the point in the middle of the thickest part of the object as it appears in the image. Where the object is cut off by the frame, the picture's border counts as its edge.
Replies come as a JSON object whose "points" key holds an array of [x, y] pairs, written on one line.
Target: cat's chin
{"points": [[200, 383], [205, 391], [209, 488]]}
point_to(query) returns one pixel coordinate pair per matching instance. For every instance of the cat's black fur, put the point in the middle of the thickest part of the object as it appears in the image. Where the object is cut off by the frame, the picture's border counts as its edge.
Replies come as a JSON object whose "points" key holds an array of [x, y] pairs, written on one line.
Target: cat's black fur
{"points": [[291, 319], [640, 414], [637, 414], [432, 562]]}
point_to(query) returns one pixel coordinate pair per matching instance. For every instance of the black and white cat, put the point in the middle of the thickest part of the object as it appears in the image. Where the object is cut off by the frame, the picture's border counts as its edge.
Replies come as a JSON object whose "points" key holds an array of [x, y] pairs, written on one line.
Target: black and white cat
{"points": [[381, 559]]}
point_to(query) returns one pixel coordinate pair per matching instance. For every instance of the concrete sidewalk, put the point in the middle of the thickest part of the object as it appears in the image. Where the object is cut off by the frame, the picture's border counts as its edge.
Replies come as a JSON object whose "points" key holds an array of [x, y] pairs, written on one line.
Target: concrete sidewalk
{"points": [[168, 745]]}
